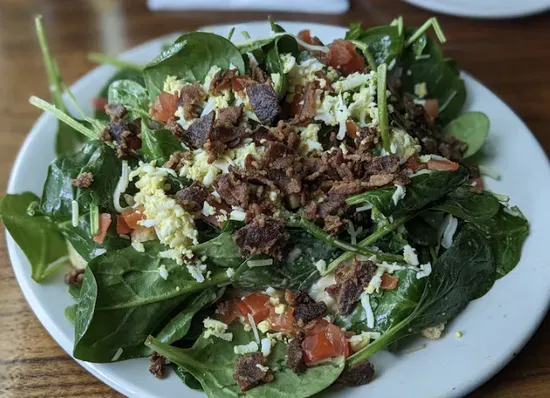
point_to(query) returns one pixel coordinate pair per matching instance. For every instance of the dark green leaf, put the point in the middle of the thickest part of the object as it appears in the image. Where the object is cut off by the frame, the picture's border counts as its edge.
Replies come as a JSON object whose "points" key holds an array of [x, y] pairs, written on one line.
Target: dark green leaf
{"points": [[384, 42], [222, 251], [132, 95], [471, 128], [37, 236], [212, 362], [468, 204], [190, 58], [158, 144], [187, 378], [121, 74], [422, 190], [421, 233], [95, 157]]}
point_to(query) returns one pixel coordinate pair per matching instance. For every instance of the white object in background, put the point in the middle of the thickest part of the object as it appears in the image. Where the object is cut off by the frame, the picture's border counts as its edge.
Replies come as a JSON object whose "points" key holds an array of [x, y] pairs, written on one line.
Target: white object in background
{"points": [[313, 6], [491, 9]]}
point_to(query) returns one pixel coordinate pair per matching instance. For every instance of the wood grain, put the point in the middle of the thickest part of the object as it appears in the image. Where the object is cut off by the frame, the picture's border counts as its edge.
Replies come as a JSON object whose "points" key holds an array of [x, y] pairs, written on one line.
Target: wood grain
{"points": [[511, 57]]}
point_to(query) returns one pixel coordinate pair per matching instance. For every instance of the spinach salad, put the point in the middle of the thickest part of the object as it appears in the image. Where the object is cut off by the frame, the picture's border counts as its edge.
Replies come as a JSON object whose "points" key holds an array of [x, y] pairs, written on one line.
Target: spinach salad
{"points": [[264, 217]]}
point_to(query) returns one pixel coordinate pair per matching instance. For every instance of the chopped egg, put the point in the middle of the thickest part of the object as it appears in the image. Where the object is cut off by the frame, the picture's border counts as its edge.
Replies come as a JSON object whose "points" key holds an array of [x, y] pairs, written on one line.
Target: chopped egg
{"points": [[163, 272], [197, 271], [246, 348], [217, 329], [354, 81], [288, 62], [399, 194], [310, 135], [410, 256], [425, 270], [174, 226], [458, 334], [421, 89], [173, 85], [318, 293], [197, 168], [280, 309], [403, 145], [321, 266], [237, 214], [264, 326], [138, 246], [434, 332], [230, 272], [360, 341]]}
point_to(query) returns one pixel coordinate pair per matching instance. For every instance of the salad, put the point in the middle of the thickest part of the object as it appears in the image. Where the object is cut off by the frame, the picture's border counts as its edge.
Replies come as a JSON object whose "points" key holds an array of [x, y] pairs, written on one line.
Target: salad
{"points": [[263, 217]]}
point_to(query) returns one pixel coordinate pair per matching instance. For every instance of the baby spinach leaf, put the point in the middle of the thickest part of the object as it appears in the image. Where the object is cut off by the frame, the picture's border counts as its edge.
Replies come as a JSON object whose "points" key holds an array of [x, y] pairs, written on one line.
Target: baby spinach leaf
{"points": [[70, 313], [421, 191], [281, 45], [471, 128], [177, 327], [421, 233], [465, 272], [82, 240], [190, 58], [385, 43], [506, 232], [187, 378], [124, 299], [468, 204], [222, 251], [121, 74], [212, 362], [132, 95], [158, 144], [37, 236], [95, 157]]}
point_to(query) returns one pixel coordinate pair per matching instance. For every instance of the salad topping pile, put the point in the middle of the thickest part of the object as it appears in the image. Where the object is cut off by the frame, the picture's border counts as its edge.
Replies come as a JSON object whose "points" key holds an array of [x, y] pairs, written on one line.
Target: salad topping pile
{"points": [[265, 216]]}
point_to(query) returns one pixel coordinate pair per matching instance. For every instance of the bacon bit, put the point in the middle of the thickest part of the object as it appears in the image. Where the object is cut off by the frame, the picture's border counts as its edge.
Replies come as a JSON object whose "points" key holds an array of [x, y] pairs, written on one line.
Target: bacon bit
{"points": [[131, 217], [305, 35], [442, 165], [99, 103], [432, 108], [164, 107], [342, 55], [121, 227], [296, 105], [351, 129], [414, 163], [389, 282], [104, 222]]}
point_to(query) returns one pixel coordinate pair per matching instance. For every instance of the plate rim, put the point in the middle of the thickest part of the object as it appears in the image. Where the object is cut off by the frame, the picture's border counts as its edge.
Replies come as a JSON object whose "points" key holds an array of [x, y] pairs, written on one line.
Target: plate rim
{"points": [[459, 10], [110, 377]]}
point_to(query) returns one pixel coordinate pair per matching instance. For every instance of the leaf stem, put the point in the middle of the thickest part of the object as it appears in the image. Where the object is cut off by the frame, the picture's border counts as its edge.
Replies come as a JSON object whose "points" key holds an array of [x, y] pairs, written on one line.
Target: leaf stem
{"points": [[382, 107], [420, 31], [62, 116], [53, 267], [54, 79], [370, 240], [179, 357], [230, 34], [366, 53], [103, 59]]}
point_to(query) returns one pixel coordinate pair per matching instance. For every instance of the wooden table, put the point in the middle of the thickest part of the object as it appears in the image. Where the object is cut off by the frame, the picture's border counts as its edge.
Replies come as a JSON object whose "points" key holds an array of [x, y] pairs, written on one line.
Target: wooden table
{"points": [[511, 57]]}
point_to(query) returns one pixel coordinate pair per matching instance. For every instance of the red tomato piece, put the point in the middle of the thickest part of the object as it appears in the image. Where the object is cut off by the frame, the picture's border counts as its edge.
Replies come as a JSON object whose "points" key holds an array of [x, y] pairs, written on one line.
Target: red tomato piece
{"points": [[255, 304], [99, 103], [305, 35], [351, 129], [343, 56], [104, 222], [478, 183], [389, 282], [432, 108], [165, 106], [282, 322], [414, 163], [319, 327], [329, 343], [442, 165], [227, 312], [121, 227], [131, 217]]}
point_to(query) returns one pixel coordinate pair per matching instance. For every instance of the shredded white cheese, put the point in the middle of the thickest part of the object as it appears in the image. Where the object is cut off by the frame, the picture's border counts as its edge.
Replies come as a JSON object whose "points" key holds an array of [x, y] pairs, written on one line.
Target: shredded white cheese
{"points": [[321, 266], [260, 263], [365, 302], [254, 328], [450, 224], [265, 346], [121, 187], [246, 348], [117, 355], [163, 272], [399, 194], [425, 270], [75, 213]]}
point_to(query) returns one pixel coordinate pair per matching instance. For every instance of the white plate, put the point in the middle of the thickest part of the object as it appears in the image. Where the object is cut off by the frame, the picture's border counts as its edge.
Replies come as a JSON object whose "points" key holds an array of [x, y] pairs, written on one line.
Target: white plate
{"points": [[493, 9], [495, 327]]}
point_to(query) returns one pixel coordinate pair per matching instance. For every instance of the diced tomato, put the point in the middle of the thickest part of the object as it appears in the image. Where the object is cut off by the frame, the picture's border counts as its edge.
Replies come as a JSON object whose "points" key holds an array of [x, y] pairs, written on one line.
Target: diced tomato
{"points": [[289, 296], [305, 35], [256, 304], [104, 222], [164, 107], [282, 322], [121, 227], [319, 327], [99, 103], [442, 165], [432, 108], [131, 217], [227, 311], [351, 129], [414, 163], [389, 282], [329, 343], [478, 183], [343, 56]]}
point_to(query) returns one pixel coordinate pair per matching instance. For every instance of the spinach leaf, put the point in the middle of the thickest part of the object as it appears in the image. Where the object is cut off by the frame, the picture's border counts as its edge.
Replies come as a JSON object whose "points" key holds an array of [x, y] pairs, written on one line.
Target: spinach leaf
{"points": [[70, 313], [158, 144], [95, 157], [82, 240], [190, 58], [132, 95], [221, 251], [422, 233], [465, 272], [468, 204], [421, 191], [124, 299], [188, 378], [389, 306], [37, 236], [178, 326], [281, 45], [385, 43], [506, 232], [471, 128], [441, 80], [212, 362], [121, 74], [297, 271]]}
